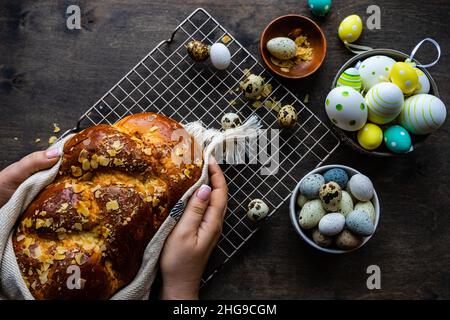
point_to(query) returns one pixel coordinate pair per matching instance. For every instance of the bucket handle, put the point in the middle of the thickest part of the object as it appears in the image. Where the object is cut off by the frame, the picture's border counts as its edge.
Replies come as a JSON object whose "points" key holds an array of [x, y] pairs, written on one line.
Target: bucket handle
{"points": [[416, 48]]}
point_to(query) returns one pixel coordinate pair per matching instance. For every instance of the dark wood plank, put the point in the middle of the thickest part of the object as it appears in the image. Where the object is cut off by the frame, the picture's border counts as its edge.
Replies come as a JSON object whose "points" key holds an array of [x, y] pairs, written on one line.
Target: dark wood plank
{"points": [[49, 74]]}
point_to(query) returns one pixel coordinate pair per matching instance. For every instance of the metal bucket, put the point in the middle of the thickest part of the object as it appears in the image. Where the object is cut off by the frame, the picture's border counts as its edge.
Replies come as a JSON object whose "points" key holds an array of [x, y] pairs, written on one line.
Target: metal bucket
{"points": [[349, 138]]}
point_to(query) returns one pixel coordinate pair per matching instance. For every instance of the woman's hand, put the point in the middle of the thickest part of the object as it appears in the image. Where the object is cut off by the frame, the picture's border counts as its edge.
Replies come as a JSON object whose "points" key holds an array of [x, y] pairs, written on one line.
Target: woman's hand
{"points": [[12, 176], [191, 242]]}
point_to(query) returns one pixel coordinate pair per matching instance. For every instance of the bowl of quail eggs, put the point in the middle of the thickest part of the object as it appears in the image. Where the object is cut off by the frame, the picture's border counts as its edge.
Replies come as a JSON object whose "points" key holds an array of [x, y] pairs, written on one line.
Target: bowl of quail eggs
{"points": [[335, 209]]}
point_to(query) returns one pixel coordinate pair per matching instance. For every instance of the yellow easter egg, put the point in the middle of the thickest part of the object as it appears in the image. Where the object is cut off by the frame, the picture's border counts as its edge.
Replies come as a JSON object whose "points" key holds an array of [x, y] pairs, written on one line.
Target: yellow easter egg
{"points": [[370, 136], [350, 28], [404, 76]]}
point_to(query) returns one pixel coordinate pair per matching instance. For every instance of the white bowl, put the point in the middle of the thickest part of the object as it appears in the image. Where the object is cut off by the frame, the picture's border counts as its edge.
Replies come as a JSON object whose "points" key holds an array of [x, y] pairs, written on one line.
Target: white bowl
{"points": [[293, 208]]}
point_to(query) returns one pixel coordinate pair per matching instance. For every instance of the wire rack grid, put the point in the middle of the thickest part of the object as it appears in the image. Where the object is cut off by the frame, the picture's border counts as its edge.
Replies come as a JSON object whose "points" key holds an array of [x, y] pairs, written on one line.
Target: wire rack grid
{"points": [[167, 81]]}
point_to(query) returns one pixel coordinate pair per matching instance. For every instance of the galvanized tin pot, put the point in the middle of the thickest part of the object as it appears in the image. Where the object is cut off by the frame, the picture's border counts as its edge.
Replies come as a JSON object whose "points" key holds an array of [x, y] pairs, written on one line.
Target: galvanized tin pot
{"points": [[349, 138]]}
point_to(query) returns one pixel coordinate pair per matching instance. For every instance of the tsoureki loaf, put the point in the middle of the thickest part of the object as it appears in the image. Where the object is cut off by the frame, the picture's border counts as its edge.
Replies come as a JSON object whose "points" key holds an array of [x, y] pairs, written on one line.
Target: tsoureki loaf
{"points": [[116, 185]]}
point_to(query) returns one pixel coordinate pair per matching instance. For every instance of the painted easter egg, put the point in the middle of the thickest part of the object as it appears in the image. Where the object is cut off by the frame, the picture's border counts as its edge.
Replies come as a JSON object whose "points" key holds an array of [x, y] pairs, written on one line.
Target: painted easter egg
{"points": [[346, 108], [384, 102], [423, 114], [350, 28], [350, 78], [397, 139], [404, 76], [370, 136], [319, 7], [424, 82], [374, 70]]}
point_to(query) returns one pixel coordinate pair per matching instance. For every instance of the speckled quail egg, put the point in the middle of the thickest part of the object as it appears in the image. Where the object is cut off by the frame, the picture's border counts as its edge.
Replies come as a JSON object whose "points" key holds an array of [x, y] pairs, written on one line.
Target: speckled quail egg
{"points": [[321, 239], [346, 204], [311, 214], [359, 222], [230, 121], [257, 210], [331, 224], [310, 185], [252, 86], [287, 116], [330, 194], [361, 187], [347, 240], [197, 50], [337, 175], [368, 207], [301, 200], [282, 48]]}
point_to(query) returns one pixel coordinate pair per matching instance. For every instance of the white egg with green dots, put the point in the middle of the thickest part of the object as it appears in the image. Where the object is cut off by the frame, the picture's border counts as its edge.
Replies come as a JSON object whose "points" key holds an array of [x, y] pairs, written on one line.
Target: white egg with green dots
{"points": [[346, 108], [423, 114], [374, 70], [384, 102]]}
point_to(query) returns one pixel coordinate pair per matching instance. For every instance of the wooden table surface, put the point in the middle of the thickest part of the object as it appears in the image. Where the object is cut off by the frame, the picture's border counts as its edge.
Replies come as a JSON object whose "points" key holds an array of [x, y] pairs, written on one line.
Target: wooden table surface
{"points": [[49, 74]]}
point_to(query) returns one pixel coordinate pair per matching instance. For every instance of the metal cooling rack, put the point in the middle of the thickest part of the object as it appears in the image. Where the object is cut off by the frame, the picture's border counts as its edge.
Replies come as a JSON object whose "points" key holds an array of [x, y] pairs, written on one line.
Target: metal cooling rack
{"points": [[167, 81]]}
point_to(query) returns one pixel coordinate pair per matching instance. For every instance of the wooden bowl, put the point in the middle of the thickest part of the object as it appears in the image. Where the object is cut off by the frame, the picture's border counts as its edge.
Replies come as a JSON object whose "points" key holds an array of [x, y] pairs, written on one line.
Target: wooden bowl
{"points": [[281, 27], [350, 138]]}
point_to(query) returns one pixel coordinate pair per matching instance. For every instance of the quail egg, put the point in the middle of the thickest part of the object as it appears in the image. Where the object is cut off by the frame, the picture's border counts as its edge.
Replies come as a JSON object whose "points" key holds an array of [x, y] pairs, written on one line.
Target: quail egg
{"points": [[347, 240], [330, 194], [230, 121], [310, 185], [321, 239], [220, 56], [287, 116], [252, 86], [197, 50], [257, 210]]}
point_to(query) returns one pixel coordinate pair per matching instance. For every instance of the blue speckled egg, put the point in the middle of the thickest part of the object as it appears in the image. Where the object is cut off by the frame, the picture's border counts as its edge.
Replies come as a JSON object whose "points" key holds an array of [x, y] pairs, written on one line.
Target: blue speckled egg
{"points": [[319, 7], [397, 139], [337, 175], [311, 184], [359, 222]]}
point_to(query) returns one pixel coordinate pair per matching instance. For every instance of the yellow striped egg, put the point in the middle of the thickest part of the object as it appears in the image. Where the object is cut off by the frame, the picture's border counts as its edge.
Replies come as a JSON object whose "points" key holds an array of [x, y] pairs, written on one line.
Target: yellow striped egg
{"points": [[350, 78], [374, 70], [404, 76], [423, 114], [424, 82], [384, 101], [350, 28]]}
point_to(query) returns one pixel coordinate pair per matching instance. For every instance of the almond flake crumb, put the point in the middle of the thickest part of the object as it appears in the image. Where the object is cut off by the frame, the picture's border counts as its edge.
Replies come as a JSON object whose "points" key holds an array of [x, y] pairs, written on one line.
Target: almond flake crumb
{"points": [[306, 98], [112, 205], [226, 38], [56, 128], [37, 140], [52, 139]]}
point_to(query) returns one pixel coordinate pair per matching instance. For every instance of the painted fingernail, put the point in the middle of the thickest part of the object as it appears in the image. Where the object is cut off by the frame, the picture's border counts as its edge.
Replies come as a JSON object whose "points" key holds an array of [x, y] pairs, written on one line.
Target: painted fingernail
{"points": [[52, 153], [203, 192]]}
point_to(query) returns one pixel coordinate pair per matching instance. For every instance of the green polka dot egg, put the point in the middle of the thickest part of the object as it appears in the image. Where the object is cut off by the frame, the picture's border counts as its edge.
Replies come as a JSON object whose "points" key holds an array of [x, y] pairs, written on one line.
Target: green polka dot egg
{"points": [[346, 108], [350, 78], [384, 102], [423, 114], [375, 70]]}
